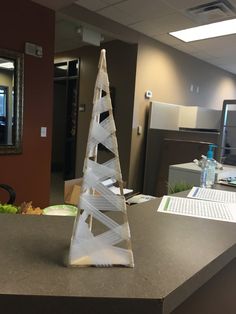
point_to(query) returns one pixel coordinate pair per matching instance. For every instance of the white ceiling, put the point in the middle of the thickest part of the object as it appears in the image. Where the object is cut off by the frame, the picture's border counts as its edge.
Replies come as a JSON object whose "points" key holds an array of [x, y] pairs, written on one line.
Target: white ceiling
{"points": [[154, 18]]}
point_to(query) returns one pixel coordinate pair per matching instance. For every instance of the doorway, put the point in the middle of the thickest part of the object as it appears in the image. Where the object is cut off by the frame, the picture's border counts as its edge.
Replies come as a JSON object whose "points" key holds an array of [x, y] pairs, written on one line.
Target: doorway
{"points": [[64, 134]]}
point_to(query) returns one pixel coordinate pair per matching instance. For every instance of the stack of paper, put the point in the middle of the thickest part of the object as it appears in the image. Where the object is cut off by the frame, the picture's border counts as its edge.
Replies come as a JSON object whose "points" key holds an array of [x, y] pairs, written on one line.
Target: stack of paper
{"points": [[202, 203], [212, 195]]}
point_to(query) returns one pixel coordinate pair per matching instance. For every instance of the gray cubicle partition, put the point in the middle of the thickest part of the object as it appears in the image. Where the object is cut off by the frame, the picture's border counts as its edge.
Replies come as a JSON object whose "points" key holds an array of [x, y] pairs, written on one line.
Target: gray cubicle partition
{"points": [[168, 147], [168, 143]]}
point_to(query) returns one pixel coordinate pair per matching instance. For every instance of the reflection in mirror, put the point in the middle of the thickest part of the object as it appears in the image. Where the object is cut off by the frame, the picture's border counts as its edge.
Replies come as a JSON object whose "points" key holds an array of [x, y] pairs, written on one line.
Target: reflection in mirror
{"points": [[11, 101]]}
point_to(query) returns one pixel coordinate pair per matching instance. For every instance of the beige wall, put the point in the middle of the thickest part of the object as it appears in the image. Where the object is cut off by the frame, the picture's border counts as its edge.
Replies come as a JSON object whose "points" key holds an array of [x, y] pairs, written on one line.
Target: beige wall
{"points": [[168, 73], [121, 64], [121, 69]]}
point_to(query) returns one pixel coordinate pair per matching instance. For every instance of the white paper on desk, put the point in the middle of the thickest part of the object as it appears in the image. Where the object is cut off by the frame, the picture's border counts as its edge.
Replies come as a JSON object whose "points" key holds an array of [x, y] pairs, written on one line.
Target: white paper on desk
{"points": [[212, 195], [108, 182], [198, 208], [116, 190]]}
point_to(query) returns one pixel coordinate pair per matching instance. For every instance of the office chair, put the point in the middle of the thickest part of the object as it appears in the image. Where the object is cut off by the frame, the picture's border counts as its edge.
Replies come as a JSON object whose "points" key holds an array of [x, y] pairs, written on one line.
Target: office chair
{"points": [[11, 192]]}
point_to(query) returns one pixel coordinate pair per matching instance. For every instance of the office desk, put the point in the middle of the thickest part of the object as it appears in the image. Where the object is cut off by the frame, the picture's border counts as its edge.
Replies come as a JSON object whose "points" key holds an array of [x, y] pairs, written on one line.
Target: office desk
{"points": [[174, 256]]}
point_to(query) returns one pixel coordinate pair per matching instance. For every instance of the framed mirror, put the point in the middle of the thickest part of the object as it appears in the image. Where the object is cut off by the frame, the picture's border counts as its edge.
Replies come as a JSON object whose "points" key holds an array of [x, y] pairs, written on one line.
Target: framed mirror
{"points": [[227, 140], [11, 101]]}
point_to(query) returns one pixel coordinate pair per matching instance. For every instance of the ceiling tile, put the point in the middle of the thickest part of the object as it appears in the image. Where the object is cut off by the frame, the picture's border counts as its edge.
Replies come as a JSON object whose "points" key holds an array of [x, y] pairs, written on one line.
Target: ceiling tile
{"points": [[218, 47], [95, 5], [92, 5], [155, 18], [55, 5], [147, 27], [187, 48], [168, 39], [118, 15], [197, 54], [163, 25], [201, 54], [185, 4], [145, 9]]}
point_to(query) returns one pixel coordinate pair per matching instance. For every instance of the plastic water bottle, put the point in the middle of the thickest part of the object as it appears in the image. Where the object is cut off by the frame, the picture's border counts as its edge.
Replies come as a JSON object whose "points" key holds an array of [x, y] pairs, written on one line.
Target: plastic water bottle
{"points": [[208, 172]]}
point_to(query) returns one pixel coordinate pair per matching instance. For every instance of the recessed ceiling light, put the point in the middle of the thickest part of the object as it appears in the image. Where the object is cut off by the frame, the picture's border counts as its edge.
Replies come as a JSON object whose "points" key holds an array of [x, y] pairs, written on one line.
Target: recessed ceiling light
{"points": [[212, 30]]}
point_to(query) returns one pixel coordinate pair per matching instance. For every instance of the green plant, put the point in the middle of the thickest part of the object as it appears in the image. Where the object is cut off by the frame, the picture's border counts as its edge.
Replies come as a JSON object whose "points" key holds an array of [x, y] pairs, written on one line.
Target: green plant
{"points": [[8, 209], [179, 187]]}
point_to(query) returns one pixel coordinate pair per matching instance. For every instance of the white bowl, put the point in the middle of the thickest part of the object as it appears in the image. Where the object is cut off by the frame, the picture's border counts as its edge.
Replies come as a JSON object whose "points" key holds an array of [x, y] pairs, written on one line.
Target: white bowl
{"points": [[60, 210]]}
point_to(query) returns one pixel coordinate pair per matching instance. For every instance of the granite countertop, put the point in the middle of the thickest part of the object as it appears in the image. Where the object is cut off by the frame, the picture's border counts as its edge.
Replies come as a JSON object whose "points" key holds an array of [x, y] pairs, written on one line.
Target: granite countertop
{"points": [[174, 255]]}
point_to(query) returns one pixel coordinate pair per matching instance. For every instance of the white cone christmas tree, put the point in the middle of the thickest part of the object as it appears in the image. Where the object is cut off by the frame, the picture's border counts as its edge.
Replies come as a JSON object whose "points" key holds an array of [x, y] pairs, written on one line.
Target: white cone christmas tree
{"points": [[109, 243]]}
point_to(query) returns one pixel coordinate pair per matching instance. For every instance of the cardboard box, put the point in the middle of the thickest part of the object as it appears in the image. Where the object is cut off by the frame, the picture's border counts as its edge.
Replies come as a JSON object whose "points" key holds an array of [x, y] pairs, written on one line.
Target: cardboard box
{"points": [[72, 190]]}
